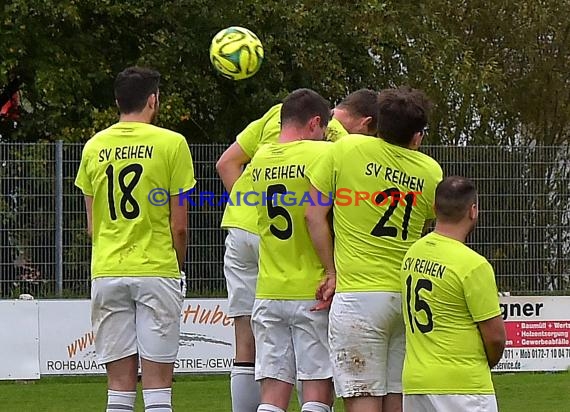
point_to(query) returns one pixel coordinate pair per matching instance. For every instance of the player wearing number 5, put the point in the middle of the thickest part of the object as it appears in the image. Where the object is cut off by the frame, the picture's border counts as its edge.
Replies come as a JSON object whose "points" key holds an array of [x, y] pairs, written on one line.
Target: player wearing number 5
{"points": [[290, 339], [372, 235], [454, 329], [139, 247]]}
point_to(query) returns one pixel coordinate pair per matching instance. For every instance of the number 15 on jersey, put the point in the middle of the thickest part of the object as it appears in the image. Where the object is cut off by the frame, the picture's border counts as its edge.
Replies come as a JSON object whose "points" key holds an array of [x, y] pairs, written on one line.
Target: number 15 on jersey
{"points": [[417, 308]]}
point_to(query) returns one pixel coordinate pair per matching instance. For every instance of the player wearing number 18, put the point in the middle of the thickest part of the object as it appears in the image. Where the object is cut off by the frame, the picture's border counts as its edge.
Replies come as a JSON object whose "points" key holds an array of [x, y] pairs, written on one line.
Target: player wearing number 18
{"points": [[366, 329], [138, 248], [454, 329]]}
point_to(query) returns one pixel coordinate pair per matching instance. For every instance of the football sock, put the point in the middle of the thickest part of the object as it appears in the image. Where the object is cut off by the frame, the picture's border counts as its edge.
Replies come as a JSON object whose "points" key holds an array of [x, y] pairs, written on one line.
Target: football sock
{"points": [[245, 391], [265, 407], [315, 407], [157, 400], [119, 401]]}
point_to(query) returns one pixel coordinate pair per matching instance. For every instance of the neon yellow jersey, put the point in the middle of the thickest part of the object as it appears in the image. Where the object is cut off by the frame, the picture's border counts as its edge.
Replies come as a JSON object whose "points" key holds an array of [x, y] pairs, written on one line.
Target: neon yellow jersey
{"points": [[447, 288], [372, 235], [289, 267], [335, 131], [123, 168], [257, 133]]}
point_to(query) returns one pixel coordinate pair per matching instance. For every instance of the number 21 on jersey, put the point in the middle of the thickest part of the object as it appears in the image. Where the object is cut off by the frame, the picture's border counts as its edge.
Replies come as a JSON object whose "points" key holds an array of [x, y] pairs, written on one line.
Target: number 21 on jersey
{"points": [[381, 228]]}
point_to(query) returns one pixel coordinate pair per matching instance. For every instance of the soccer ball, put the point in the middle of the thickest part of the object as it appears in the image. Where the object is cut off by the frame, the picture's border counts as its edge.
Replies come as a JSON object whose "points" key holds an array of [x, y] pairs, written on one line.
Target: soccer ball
{"points": [[236, 53]]}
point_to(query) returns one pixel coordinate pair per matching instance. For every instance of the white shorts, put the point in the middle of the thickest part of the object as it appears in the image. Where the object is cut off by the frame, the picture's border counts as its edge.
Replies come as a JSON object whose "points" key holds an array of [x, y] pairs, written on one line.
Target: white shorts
{"points": [[137, 315], [367, 339], [450, 403], [290, 341], [240, 269]]}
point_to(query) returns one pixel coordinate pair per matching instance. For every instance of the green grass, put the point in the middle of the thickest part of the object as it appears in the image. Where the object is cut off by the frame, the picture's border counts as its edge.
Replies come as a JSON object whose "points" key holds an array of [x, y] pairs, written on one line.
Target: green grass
{"points": [[537, 392]]}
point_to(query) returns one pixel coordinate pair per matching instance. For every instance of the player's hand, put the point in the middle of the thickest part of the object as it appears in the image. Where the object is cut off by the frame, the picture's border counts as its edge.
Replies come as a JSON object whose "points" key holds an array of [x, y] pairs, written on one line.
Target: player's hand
{"points": [[322, 305], [325, 292]]}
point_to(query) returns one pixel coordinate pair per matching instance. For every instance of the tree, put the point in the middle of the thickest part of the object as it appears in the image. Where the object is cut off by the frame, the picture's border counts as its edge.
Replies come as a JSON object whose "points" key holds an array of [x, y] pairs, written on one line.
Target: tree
{"points": [[498, 72]]}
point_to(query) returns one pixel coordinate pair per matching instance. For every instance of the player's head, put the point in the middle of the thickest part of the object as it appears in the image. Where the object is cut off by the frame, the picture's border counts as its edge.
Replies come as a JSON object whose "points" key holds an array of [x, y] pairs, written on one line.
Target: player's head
{"points": [[402, 116], [136, 91], [307, 110], [358, 112], [456, 202]]}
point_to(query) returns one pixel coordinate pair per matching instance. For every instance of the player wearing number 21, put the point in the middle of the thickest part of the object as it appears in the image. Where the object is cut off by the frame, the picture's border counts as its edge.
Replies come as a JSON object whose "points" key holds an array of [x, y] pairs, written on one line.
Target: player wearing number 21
{"points": [[138, 248], [454, 329], [290, 339], [366, 329]]}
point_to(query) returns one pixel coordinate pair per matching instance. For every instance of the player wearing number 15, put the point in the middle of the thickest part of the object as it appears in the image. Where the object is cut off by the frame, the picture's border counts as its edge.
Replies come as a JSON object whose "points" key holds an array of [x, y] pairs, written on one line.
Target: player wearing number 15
{"points": [[366, 329], [290, 339], [138, 248], [454, 329]]}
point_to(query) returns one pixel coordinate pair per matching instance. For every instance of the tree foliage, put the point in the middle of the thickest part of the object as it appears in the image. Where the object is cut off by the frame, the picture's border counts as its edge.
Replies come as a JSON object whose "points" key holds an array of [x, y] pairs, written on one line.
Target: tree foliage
{"points": [[498, 71]]}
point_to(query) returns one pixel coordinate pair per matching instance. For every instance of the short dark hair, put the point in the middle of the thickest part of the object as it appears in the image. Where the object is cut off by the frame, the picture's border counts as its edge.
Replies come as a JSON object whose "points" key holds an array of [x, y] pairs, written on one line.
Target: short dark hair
{"points": [[303, 104], [133, 86], [454, 195], [362, 103], [402, 112]]}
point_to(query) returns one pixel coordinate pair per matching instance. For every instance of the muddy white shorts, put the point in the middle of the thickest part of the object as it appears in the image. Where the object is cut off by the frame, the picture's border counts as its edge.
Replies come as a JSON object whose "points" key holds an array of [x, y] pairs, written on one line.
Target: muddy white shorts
{"points": [[367, 339], [240, 269], [290, 341], [140, 315]]}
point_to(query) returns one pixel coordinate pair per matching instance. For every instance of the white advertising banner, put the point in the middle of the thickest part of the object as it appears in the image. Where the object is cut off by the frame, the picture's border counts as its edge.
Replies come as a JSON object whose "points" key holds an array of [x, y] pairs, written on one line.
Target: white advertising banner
{"points": [[206, 337], [19, 339], [538, 334], [538, 337], [67, 345]]}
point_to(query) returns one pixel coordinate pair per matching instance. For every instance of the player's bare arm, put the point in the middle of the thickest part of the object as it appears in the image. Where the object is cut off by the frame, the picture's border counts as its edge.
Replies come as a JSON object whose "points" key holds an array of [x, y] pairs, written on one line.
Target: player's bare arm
{"points": [[317, 218], [494, 337], [179, 228], [89, 211], [230, 165]]}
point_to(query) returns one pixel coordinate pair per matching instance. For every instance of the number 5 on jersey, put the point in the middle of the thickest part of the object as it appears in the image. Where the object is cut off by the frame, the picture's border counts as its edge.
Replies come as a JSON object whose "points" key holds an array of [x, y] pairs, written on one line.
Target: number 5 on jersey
{"points": [[274, 211]]}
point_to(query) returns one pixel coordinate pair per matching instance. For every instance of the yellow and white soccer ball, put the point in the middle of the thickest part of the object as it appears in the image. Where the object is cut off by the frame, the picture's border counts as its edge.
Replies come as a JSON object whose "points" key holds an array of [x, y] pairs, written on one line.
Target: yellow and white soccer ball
{"points": [[236, 53]]}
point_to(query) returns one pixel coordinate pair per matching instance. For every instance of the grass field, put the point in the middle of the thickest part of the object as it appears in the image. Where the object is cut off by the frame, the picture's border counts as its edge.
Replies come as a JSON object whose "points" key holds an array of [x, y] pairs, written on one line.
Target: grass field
{"points": [[536, 392]]}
